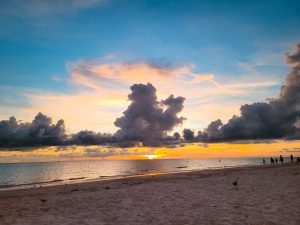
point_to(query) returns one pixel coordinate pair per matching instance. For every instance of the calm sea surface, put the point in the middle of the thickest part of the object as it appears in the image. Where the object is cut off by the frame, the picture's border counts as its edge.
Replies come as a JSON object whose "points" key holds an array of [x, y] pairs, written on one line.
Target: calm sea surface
{"points": [[20, 175]]}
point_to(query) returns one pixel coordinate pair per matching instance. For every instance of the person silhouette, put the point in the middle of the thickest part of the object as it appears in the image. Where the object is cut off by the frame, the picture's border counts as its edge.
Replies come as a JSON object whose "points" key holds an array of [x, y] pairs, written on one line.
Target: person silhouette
{"points": [[281, 159], [264, 161], [272, 160], [292, 158], [276, 160]]}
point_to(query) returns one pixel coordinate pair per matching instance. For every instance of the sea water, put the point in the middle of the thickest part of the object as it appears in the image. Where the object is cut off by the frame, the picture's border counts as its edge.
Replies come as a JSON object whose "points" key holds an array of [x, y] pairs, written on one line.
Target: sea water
{"points": [[21, 175]]}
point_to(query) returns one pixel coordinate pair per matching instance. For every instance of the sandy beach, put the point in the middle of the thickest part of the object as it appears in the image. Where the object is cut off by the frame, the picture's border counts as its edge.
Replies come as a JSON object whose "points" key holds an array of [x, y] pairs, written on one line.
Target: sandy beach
{"points": [[263, 195]]}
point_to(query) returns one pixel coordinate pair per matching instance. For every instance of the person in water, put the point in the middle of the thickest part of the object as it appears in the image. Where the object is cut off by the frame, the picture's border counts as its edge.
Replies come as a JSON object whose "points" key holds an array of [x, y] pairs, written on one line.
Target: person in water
{"points": [[281, 159], [272, 160], [264, 161], [292, 158], [276, 160]]}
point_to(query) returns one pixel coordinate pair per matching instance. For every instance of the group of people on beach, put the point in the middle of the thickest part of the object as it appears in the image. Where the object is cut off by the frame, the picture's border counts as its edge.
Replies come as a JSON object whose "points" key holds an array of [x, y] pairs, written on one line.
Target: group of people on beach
{"points": [[281, 159]]}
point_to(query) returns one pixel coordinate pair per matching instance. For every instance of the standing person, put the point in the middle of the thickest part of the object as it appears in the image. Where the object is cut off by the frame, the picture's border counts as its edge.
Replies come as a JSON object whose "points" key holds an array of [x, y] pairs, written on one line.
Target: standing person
{"points": [[292, 158], [272, 160], [281, 159], [276, 160], [264, 161]]}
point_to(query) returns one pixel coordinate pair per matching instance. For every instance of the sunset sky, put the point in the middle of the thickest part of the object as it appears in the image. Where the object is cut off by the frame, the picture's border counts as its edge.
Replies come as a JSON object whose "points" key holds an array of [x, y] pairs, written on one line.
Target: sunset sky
{"points": [[76, 60], [214, 150]]}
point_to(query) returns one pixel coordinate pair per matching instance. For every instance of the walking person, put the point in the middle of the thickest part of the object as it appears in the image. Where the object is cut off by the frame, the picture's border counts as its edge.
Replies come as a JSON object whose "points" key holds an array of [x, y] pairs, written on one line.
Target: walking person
{"points": [[281, 159]]}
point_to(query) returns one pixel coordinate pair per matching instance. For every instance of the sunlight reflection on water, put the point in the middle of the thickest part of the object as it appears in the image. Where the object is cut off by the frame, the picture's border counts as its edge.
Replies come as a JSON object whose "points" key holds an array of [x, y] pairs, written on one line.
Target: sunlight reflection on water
{"points": [[51, 172]]}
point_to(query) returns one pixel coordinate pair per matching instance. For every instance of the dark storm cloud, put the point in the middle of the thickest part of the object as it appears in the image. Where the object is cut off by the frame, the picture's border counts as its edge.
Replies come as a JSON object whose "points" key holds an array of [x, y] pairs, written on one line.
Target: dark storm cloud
{"points": [[263, 120], [40, 131], [188, 135], [91, 138], [213, 129], [145, 119]]}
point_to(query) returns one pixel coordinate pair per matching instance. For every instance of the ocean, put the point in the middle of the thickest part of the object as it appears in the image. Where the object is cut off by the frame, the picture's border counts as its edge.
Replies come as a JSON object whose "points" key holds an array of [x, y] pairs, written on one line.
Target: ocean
{"points": [[24, 175]]}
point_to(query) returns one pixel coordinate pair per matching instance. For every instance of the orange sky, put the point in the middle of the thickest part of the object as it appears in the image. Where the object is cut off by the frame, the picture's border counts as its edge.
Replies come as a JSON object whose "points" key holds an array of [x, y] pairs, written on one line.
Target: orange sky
{"points": [[196, 150]]}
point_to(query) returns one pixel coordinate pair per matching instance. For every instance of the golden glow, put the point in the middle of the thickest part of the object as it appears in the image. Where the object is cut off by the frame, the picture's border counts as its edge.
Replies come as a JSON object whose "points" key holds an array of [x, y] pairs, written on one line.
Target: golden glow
{"points": [[151, 156], [196, 150]]}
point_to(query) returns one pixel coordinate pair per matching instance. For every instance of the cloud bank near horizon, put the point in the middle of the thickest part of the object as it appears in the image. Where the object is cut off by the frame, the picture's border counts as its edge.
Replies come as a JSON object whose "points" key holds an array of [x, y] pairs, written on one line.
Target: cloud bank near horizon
{"points": [[278, 118], [146, 120]]}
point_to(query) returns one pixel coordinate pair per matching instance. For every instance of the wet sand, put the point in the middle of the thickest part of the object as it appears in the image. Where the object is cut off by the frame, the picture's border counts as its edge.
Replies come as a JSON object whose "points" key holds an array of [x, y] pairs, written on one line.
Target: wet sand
{"points": [[263, 195]]}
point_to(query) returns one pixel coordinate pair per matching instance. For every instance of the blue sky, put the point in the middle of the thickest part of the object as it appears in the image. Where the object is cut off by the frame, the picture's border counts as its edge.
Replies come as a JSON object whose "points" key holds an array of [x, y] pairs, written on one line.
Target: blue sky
{"points": [[239, 44]]}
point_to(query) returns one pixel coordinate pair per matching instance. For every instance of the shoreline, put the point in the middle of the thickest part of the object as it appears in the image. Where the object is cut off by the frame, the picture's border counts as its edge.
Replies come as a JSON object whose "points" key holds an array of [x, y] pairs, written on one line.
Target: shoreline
{"points": [[91, 181]]}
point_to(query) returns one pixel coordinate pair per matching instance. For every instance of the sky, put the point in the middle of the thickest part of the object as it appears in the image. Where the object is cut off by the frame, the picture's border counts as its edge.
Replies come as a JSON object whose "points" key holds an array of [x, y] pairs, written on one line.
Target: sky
{"points": [[261, 149], [76, 60]]}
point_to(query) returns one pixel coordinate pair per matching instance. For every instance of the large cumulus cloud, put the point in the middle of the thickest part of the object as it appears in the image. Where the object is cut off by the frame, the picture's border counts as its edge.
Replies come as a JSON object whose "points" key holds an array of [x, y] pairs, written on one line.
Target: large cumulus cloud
{"points": [[277, 118], [146, 119]]}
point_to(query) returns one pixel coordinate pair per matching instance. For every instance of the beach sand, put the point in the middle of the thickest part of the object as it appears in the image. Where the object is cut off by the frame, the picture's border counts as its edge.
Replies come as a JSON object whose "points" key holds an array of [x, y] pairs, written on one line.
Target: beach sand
{"points": [[264, 195]]}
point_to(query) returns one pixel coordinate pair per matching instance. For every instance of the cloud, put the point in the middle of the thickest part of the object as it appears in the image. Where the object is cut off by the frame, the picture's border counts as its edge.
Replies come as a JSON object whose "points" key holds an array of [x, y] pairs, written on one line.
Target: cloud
{"points": [[262, 120], [56, 78], [111, 75], [40, 131], [290, 150], [106, 74], [38, 8], [105, 153], [93, 152], [91, 138], [99, 74], [212, 131], [188, 134], [98, 88], [145, 118]]}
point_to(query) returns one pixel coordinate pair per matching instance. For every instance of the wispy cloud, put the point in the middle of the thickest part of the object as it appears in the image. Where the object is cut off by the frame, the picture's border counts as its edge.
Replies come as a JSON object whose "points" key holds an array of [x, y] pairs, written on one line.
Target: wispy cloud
{"points": [[38, 8], [56, 78]]}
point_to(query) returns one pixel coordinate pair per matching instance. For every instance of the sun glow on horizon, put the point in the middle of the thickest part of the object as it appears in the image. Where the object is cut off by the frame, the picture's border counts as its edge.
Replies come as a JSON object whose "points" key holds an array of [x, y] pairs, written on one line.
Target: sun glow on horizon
{"points": [[152, 156], [191, 150]]}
